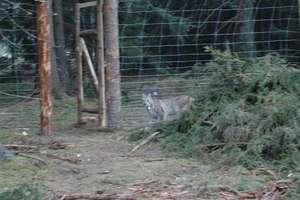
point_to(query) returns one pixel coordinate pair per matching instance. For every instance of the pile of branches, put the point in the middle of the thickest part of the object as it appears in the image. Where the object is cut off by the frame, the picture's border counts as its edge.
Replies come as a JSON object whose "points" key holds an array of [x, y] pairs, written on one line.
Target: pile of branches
{"points": [[251, 107], [272, 190]]}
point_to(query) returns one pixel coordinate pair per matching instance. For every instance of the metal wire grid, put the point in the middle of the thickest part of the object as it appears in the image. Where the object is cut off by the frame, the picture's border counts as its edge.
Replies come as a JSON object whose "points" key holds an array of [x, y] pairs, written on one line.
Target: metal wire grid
{"points": [[161, 42], [162, 49], [18, 75]]}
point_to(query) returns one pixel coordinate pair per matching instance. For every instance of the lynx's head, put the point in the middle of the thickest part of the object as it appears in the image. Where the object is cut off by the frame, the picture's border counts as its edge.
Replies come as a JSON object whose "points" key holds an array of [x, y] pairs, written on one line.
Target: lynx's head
{"points": [[149, 101]]}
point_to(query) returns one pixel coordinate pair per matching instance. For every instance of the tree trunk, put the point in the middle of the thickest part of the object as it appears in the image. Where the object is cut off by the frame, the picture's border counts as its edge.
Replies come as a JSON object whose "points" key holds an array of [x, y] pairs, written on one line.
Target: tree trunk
{"points": [[112, 54], [58, 89], [44, 66], [246, 44], [60, 43]]}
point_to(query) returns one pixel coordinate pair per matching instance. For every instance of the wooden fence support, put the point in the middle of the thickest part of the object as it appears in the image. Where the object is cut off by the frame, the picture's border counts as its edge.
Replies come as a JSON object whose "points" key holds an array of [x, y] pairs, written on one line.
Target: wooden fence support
{"points": [[80, 97], [112, 54], [99, 75], [44, 66], [102, 108], [91, 67]]}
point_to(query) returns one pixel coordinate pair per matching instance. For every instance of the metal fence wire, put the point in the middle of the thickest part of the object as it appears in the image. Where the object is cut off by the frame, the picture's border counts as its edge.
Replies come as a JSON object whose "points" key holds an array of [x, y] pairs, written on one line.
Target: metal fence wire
{"points": [[162, 45], [18, 74]]}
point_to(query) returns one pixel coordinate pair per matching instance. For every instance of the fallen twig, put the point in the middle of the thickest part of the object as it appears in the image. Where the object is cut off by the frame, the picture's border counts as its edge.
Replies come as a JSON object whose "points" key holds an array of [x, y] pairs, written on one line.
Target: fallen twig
{"points": [[102, 129], [144, 183], [266, 171], [213, 147], [146, 141], [19, 147], [154, 160], [97, 196], [56, 145], [33, 157], [270, 191], [70, 160]]}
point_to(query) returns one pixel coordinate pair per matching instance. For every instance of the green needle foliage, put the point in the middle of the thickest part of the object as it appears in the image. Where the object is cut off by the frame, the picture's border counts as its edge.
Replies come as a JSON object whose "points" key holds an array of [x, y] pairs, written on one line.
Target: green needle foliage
{"points": [[250, 111]]}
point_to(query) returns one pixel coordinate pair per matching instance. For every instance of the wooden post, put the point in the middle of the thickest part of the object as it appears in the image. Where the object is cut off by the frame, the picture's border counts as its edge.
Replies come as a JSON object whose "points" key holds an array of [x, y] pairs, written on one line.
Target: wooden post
{"points": [[299, 12], [44, 66], [112, 54], [102, 109], [80, 97]]}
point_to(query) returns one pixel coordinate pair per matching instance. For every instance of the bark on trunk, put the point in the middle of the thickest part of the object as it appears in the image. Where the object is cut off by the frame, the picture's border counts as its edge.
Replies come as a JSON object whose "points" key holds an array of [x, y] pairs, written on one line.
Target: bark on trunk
{"points": [[44, 65], [58, 89], [112, 54], [299, 12], [79, 91], [102, 106], [246, 43], [60, 43]]}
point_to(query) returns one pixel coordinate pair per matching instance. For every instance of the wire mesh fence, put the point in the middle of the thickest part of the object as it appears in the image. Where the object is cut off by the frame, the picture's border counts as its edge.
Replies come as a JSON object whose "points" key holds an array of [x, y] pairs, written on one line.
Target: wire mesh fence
{"points": [[163, 43], [163, 49], [18, 75]]}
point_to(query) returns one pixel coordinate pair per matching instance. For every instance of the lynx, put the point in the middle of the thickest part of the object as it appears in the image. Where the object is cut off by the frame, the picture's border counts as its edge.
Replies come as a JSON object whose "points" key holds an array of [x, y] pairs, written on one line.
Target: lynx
{"points": [[166, 109]]}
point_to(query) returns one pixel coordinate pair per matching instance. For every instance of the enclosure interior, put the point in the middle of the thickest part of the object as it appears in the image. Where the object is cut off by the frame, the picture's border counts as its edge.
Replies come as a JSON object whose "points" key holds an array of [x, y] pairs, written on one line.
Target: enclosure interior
{"points": [[162, 45]]}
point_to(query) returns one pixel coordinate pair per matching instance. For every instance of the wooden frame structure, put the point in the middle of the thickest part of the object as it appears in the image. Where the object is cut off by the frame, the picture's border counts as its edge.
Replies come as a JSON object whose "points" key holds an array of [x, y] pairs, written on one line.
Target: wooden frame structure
{"points": [[97, 73]]}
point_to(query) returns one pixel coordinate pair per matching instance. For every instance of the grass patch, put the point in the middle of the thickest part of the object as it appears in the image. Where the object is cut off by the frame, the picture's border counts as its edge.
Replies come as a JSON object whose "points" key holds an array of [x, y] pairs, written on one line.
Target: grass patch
{"points": [[10, 137], [25, 192], [19, 170]]}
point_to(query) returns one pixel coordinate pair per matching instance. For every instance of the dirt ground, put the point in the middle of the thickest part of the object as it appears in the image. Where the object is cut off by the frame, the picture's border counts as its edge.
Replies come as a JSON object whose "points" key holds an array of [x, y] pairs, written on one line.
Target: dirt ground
{"points": [[101, 161], [107, 165]]}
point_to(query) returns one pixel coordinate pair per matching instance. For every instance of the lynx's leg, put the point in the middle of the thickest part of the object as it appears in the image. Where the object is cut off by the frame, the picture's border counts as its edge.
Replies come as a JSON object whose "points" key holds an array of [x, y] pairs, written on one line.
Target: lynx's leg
{"points": [[165, 116]]}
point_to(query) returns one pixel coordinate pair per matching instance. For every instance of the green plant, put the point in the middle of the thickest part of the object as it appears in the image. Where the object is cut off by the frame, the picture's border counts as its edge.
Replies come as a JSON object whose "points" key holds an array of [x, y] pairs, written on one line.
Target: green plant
{"points": [[249, 113]]}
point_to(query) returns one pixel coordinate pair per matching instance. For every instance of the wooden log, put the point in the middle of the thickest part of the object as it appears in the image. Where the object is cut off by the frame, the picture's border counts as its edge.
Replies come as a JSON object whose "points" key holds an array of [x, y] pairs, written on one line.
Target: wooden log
{"points": [[80, 91], [101, 65], [44, 66], [90, 64]]}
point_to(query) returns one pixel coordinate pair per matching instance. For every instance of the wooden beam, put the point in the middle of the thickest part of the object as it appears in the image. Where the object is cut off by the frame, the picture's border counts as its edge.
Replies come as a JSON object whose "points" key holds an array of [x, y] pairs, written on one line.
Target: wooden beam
{"points": [[87, 4], [80, 91], [90, 64], [90, 32], [44, 66], [89, 110]]}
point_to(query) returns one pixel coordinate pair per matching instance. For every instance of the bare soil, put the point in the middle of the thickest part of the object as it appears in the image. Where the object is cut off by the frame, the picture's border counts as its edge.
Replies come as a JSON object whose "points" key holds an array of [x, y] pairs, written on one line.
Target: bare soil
{"points": [[96, 161], [107, 165]]}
